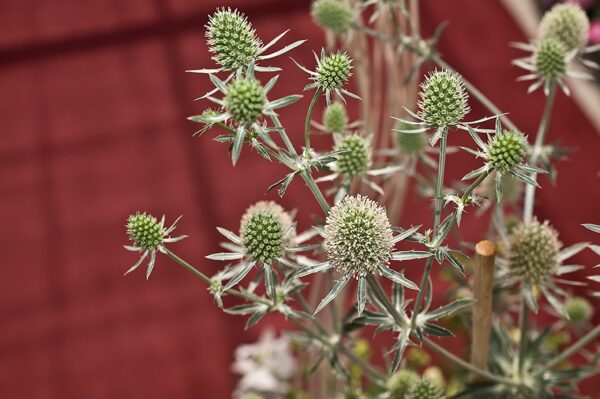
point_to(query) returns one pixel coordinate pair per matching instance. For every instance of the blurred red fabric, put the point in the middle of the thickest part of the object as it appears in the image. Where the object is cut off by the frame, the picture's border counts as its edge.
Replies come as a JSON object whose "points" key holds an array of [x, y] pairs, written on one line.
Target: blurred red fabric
{"points": [[93, 109]]}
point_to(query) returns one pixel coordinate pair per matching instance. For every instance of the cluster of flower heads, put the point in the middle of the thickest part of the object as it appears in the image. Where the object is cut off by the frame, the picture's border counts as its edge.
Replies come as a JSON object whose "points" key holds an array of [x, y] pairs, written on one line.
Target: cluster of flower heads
{"points": [[562, 37]]}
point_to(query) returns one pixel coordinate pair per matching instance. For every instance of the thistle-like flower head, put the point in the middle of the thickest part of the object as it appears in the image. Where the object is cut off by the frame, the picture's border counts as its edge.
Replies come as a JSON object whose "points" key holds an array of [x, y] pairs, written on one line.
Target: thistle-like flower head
{"points": [[356, 159], [579, 311], [506, 150], [568, 24], [263, 231], [425, 389], [245, 100], [334, 15], [358, 236], [443, 99], [232, 39], [401, 383], [149, 236], [333, 71], [335, 118], [533, 252], [145, 231], [550, 60], [410, 143]]}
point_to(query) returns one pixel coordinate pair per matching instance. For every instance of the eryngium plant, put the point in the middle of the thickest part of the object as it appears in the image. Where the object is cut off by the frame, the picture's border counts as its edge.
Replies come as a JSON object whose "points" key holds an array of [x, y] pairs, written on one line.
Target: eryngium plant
{"points": [[352, 245]]}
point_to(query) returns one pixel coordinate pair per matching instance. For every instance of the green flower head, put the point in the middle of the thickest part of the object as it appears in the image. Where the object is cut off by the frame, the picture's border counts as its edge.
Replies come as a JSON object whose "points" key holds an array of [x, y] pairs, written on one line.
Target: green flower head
{"points": [[566, 23], [357, 158], [245, 100], [533, 252], [425, 389], [334, 15], [358, 236], [579, 311], [263, 231], [333, 71], [232, 39], [549, 59], [443, 99], [506, 150], [335, 118], [145, 231], [410, 143], [401, 383]]}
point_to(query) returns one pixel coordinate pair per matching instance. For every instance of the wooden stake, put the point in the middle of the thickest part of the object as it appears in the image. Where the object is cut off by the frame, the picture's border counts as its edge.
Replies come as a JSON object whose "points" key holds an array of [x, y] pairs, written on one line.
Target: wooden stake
{"points": [[483, 278]]}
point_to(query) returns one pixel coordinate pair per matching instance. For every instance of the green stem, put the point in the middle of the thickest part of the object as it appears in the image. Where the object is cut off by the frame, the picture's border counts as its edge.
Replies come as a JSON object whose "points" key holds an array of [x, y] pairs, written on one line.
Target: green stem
{"points": [[450, 356], [523, 327], [208, 280], [309, 113], [536, 152], [286, 140], [583, 341], [436, 224]]}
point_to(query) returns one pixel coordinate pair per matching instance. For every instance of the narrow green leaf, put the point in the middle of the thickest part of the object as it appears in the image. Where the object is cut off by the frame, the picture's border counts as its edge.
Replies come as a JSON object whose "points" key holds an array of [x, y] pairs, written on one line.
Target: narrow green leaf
{"points": [[397, 277], [339, 285], [409, 255], [239, 276], [361, 295]]}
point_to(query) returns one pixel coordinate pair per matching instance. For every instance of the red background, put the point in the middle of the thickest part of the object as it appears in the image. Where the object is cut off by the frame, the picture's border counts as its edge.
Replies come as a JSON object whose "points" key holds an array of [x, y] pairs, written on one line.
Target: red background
{"points": [[93, 108]]}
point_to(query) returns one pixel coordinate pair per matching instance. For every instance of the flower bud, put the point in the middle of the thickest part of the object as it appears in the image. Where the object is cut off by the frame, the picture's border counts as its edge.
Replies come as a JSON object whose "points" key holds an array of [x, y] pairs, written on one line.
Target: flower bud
{"points": [[443, 99], [335, 118], [506, 150], [358, 236], [356, 160], [568, 24], [145, 231], [533, 252], [333, 71], [332, 14], [232, 39], [263, 230], [549, 59], [245, 100]]}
